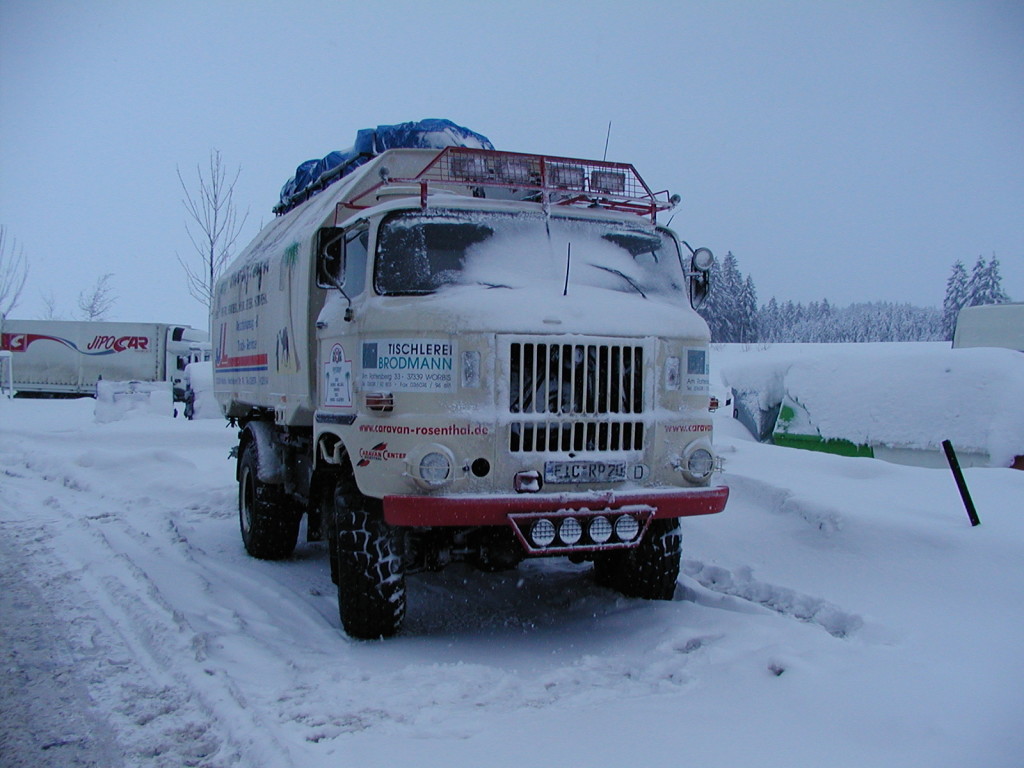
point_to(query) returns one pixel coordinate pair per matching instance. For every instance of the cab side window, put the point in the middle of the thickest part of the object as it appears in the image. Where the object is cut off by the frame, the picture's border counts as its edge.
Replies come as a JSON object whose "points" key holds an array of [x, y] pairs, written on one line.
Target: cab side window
{"points": [[341, 258], [357, 242]]}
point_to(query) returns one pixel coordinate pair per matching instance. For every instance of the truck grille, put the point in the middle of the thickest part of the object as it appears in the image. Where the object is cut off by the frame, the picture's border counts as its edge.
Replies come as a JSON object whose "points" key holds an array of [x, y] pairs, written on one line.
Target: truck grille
{"points": [[576, 397]]}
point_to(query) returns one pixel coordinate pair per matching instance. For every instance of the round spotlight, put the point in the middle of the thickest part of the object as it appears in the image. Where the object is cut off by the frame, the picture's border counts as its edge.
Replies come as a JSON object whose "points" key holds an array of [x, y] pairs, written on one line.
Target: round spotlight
{"points": [[600, 529], [571, 531], [703, 259], [627, 527], [543, 532]]}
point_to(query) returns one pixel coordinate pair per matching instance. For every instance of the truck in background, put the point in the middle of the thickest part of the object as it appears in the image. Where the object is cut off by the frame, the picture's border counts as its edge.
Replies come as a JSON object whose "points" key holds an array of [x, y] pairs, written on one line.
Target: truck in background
{"points": [[439, 352], [65, 358], [991, 325]]}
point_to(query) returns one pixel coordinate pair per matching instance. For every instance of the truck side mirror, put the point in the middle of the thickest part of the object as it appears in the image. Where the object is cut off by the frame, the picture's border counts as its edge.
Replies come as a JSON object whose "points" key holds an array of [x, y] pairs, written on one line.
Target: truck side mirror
{"points": [[699, 284], [330, 262]]}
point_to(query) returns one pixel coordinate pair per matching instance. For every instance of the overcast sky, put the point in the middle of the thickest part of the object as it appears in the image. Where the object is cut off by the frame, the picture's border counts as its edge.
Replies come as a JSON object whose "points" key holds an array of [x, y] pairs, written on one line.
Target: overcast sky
{"points": [[848, 150]]}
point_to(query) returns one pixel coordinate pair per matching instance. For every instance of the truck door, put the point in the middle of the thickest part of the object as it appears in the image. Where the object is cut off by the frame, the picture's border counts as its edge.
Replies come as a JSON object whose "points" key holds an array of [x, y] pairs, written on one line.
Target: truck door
{"points": [[341, 256]]}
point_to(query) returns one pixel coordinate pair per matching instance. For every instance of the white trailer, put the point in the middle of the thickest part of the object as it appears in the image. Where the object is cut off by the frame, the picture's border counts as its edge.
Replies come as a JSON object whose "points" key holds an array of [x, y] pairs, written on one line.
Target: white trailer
{"points": [[60, 358], [469, 355], [991, 325]]}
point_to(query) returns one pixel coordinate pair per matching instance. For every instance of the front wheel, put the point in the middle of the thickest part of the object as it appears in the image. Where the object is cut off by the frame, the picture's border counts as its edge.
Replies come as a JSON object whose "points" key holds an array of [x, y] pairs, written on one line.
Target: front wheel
{"points": [[650, 570], [269, 527], [365, 562]]}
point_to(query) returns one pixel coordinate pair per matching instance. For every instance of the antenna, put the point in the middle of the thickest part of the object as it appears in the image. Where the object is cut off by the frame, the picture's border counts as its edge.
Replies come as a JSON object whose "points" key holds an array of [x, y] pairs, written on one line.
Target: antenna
{"points": [[606, 138], [568, 260]]}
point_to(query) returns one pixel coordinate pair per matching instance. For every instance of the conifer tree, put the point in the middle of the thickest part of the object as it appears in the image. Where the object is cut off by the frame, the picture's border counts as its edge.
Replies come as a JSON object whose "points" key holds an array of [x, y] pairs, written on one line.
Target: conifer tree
{"points": [[731, 319], [769, 321], [713, 308], [986, 285], [748, 321], [956, 298]]}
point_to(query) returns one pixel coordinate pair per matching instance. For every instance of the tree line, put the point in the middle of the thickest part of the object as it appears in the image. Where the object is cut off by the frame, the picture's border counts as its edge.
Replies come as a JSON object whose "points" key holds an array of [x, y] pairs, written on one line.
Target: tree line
{"points": [[734, 316]]}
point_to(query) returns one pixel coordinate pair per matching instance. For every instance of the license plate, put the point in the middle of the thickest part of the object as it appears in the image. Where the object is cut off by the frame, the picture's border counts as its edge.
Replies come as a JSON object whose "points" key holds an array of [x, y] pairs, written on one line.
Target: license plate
{"points": [[584, 471]]}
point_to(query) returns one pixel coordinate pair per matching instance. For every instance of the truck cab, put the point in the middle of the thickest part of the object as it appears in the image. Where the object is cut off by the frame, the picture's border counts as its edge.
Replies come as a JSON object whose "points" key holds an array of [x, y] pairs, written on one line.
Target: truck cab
{"points": [[470, 355]]}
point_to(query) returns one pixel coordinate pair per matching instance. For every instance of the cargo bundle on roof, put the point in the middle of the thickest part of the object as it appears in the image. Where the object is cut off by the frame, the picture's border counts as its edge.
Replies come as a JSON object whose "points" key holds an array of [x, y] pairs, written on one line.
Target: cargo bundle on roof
{"points": [[314, 175]]}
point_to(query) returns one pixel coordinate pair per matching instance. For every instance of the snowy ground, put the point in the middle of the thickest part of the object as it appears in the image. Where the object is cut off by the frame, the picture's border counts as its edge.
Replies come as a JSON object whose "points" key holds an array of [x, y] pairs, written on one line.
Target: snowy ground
{"points": [[841, 612]]}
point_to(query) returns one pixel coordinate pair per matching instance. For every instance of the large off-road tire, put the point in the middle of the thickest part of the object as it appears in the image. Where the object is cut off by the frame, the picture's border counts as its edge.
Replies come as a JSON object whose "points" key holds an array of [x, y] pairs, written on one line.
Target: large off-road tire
{"points": [[366, 563], [648, 571], [270, 527]]}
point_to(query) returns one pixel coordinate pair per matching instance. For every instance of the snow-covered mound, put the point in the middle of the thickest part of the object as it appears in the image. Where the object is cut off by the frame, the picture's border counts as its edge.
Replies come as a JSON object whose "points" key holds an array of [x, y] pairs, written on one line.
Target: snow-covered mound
{"points": [[116, 400], [894, 396], [199, 386]]}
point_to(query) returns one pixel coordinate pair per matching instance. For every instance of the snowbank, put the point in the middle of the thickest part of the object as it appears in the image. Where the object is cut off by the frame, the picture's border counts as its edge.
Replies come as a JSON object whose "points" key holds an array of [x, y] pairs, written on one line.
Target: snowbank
{"points": [[116, 400], [199, 386], [894, 396]]}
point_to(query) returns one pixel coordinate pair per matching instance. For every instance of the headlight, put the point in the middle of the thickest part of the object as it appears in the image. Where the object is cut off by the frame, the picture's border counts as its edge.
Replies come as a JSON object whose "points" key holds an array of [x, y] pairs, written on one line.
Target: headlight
{"points": [[700, 463], [432, 466], [435, 468], [697, 465]]}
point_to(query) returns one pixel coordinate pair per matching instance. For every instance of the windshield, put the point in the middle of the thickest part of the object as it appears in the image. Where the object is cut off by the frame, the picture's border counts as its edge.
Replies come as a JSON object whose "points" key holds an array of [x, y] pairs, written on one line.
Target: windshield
{"points": [[421, 253]]}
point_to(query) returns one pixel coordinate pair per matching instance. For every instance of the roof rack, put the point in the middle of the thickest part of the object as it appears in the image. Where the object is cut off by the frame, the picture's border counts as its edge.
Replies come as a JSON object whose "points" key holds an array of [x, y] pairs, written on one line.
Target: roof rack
{"points": [[537, 178]]}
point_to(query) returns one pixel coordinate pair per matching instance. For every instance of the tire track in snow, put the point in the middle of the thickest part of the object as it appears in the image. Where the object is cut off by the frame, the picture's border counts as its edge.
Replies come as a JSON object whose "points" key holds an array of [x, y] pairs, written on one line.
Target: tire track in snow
{"points": [[48, 718], [740, 582], [176, 713], [257, 624], [782, 501]]}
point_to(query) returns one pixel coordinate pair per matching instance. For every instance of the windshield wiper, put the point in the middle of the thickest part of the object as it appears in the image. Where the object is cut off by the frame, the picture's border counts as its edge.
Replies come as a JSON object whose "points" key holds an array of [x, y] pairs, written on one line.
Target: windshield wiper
{"points": [[624, 276]]}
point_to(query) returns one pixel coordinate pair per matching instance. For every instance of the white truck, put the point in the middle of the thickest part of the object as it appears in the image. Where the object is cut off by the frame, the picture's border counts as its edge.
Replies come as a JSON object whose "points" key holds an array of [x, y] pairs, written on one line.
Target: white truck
{"points": [[460, 354], [65, 358]]}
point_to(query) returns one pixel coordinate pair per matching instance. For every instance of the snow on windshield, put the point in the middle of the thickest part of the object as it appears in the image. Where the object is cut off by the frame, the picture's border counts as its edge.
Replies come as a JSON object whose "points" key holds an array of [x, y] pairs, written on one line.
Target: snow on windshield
{"points": [[420, 254]]}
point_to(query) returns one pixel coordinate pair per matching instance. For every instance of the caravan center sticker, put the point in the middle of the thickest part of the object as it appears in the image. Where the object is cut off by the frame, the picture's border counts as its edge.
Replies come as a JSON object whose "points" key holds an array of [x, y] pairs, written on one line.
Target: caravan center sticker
{"points": [[409, 365]]}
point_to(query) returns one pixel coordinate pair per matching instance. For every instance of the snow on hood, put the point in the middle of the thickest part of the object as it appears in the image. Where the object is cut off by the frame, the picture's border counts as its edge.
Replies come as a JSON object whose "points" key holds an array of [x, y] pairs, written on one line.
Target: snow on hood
{"points": [[543, 309]]}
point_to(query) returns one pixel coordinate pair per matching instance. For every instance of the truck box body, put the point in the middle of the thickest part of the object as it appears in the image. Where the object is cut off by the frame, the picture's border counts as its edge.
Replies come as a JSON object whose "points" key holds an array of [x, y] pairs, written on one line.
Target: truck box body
{"points": [[67, 358], [479, 346], [266, 305], [991, 325]]}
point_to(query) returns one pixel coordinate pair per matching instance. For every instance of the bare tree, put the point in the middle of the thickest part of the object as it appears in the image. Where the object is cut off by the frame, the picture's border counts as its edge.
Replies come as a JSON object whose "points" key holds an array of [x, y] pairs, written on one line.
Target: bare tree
{"points": [[50, 303], [13, 273], [96, 304], [214, 227]]}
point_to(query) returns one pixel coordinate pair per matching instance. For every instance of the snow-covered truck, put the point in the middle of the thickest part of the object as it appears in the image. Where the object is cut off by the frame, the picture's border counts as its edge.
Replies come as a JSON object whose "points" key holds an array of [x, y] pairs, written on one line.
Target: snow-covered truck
{"points": [[65, 358], [441, 352]]}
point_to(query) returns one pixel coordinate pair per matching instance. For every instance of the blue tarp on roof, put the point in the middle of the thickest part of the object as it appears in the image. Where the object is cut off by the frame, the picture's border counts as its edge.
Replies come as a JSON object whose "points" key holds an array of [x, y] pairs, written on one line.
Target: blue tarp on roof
{"points": [[313, 175]]}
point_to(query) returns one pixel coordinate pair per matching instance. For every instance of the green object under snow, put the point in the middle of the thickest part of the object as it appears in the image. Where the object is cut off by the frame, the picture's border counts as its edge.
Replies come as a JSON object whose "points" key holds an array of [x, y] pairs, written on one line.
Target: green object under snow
{"points": [[794, 428]]}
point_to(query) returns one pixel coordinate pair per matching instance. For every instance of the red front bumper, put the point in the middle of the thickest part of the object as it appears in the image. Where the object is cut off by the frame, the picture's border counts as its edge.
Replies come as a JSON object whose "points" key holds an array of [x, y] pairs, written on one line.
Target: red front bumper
{"points": [[427, 511]]}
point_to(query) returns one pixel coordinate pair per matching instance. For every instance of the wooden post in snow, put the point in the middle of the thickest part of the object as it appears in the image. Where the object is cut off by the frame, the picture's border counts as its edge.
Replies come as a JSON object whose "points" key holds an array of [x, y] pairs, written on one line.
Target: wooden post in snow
{"points": [[958, 475]]}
